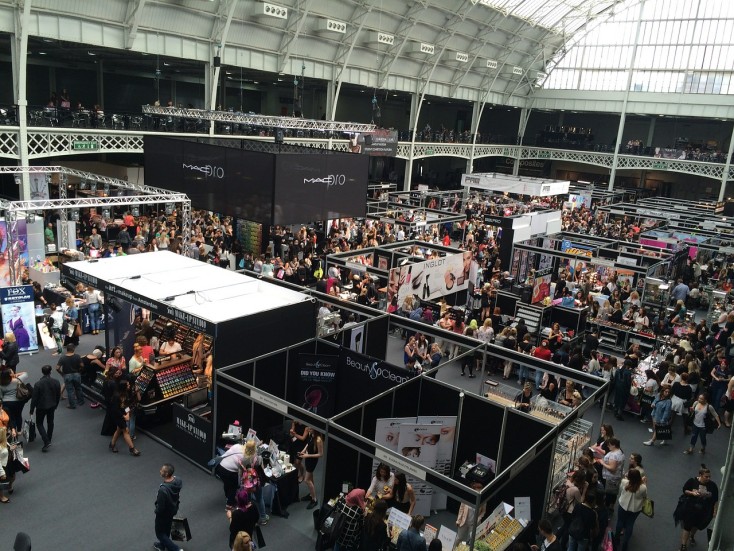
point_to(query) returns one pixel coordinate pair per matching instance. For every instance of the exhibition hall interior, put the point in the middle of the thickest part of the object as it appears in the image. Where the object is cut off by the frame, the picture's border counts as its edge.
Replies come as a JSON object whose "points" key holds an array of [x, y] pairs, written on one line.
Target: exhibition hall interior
{"points": [[367, 275]]}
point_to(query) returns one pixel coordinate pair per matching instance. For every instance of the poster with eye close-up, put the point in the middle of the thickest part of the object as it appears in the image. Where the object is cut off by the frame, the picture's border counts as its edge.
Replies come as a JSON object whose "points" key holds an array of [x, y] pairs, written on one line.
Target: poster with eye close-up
{"points": [[419, 442]]}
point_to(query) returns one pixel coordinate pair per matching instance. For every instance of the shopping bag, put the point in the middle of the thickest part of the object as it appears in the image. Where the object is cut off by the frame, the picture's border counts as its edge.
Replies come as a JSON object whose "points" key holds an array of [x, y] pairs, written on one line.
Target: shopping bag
{"points": [[180, 530], [648, 507], [29, 430], [608, 543], [20, 463], [663, 432]]}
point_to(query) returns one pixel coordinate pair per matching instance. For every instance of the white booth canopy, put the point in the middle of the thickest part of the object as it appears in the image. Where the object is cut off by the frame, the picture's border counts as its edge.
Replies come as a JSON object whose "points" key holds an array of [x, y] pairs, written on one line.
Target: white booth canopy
{"points": [[190, 286], [519, 185]]}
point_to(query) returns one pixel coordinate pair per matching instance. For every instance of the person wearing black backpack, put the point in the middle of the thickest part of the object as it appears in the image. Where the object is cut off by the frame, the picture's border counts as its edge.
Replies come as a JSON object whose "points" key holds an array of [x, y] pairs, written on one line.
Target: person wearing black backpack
{"points": [[584, 524], [166, 507]]}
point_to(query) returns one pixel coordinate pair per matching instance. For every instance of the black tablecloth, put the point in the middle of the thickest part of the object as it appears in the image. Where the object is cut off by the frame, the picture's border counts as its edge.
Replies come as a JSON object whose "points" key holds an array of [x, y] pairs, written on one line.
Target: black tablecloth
{"points": [[287, 491]]}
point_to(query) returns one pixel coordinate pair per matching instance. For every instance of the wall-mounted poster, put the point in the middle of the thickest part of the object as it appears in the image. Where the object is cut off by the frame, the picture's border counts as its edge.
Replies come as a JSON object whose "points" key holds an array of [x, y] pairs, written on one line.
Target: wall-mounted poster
{"points": [[19, 317], [541, 286], [431, 278]]}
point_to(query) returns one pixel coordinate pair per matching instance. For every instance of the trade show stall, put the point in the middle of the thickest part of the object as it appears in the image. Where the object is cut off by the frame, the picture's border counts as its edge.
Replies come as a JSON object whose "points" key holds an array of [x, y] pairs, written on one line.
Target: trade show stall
{"points": [[202, 308]]}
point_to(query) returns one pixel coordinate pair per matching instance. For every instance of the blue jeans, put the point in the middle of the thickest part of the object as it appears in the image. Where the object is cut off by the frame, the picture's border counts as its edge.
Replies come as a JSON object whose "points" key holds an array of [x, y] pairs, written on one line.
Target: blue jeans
{"points": [[131, 423], [163, 533], [524, 374], [625, 520], [695, 433], [260, 502], [93, 310], [577, 545], [717, 392], [73, 382]]}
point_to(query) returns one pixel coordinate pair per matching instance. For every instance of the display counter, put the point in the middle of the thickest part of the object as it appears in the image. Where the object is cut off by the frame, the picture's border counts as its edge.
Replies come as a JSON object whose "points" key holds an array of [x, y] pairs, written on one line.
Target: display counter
{"points": [[618, 337], [502, 394], [48, 277], [166, 380]]}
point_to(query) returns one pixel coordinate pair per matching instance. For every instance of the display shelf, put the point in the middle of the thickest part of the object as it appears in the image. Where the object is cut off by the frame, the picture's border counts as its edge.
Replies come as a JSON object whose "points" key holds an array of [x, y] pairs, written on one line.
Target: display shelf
{"points": [[718, 304], [618, 337], [159, 382], [547, 410], [501, 394], [569, 445]]}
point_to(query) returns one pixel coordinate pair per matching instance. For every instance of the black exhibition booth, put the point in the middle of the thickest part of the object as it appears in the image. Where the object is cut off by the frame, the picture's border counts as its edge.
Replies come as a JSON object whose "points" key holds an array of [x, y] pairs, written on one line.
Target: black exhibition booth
{"points": [[268, 183], [192, 298]]}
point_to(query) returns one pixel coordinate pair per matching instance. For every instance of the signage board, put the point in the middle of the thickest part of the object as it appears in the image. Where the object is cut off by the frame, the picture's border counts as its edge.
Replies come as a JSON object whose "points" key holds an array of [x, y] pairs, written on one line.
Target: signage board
{"points": [[193, 435]]}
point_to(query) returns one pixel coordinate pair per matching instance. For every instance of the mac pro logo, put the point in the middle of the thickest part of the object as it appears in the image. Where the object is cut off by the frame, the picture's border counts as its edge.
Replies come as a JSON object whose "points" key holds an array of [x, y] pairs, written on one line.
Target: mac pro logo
{"points": [[330, 180], [209, 171]]}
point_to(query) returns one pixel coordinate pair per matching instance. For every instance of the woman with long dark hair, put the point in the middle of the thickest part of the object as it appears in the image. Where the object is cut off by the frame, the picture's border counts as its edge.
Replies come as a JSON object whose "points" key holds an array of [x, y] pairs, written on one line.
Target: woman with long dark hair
{"points": [[374, 530], [403, 495], [699, 507], [632, 494]]}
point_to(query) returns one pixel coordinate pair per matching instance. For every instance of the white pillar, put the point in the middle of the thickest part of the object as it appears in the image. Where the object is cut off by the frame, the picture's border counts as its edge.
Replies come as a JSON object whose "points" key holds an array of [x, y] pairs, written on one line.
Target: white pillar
{"points": [[475, 114], [651, 132], [524, 116], [727, 167], [415, 102], [19, 51], [623, 115]]}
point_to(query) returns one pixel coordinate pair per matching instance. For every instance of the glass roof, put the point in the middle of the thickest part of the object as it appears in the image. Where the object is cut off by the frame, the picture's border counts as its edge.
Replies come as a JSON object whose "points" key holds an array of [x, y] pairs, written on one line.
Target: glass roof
{"points": [[685, 46], [559, 16]]}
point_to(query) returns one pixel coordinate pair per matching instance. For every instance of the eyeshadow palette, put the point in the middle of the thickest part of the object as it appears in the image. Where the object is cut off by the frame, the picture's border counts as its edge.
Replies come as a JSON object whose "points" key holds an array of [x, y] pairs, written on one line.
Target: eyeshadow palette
{"points": [[176, 380]]}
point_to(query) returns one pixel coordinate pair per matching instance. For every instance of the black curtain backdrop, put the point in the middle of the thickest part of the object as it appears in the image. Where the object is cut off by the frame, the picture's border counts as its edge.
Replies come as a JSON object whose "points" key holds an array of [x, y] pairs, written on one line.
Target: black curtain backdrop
{"points": [[437, 399], [230, 407], [270, 374], [377, 329], [343, 465]]}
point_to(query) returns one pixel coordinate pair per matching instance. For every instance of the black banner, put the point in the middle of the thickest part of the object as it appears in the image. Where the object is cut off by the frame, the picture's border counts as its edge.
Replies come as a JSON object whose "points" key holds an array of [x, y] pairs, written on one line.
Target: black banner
{"points": [[192, 435], [109, 289], [319, 187], [121, 327], [317, 383], [379, 143], [362, 377]]}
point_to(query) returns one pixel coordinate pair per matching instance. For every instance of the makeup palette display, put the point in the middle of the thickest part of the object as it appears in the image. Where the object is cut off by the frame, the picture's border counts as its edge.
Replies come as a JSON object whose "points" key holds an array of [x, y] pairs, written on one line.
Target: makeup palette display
{"points": [[158, 382]]}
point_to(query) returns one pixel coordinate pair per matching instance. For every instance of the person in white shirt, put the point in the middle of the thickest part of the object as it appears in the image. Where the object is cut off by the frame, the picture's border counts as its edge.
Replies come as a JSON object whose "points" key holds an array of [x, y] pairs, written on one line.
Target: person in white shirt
{"points": [[58, 318], [642, 322], [169, 347], [228, 472]]}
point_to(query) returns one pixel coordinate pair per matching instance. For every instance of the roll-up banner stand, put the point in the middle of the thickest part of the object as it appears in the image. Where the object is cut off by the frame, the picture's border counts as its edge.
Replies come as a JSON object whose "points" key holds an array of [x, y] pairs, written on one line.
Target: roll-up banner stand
{"points": [[19, 317]]}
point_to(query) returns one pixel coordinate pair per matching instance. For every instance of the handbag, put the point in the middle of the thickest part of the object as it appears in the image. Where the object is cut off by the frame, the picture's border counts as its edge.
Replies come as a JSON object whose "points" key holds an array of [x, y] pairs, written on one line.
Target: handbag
{"points": [[180, 530], [646, 400], [663, 432], [77, 330], [710, 421], [20, 462], [648, 507], [24, 391]]}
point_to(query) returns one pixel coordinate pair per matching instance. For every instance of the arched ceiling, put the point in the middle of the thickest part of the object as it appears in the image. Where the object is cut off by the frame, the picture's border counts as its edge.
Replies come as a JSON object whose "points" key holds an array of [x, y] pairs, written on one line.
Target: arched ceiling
{"points": [[476, 50]]}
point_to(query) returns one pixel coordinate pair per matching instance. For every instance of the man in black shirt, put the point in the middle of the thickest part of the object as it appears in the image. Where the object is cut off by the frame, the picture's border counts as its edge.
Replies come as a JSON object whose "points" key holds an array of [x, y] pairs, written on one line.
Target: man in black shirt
{"points": [[591, 343], [69, 366], [45, 400]]}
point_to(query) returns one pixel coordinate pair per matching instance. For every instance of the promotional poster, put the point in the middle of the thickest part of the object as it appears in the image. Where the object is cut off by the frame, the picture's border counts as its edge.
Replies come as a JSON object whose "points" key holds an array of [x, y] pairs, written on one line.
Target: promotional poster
{"points": [[20, 252], [19, 316], [365, 377], [317, 383], [445, 451], [541, 285], [430, 279], [419, 442]]}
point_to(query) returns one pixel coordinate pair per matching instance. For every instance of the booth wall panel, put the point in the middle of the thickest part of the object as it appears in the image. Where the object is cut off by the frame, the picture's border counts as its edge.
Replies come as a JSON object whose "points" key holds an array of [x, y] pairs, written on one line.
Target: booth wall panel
{"points": [[406, 400], [267, 423], [343, 465], [230, 407], [244, 373], [531, 482], [352, 421], [524, 432], [377, 329], [480, 428], [246, 338], [379, 409], [271, 373], [292, 376], [437, 400]]}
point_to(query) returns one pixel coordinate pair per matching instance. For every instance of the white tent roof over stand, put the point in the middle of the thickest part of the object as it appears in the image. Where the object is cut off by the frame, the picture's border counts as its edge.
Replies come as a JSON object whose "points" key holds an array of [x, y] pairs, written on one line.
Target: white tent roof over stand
{"points": [[190, 286], [520, 185]]}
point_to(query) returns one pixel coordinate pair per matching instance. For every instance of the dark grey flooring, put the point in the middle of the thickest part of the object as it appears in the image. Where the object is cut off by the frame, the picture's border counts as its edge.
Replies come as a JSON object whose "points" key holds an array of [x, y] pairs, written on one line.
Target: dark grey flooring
{"points": [[667, 468], [79, 496]]}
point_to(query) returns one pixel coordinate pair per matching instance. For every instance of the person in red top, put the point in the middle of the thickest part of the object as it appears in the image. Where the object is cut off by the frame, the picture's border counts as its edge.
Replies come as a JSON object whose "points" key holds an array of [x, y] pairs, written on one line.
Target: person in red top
{"points": [[446, 239], [544, 353]]}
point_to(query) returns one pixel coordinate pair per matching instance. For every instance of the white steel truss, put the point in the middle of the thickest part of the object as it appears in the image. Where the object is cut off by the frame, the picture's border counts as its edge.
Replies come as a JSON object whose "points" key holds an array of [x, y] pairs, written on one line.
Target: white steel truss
{"points": [[51, 142], [145, 195], [259, 120]]}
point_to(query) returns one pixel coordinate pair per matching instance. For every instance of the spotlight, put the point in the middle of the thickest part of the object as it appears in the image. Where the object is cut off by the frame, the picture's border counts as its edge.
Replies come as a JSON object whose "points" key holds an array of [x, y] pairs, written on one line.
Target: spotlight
{"points": [[83, 184], [107, 189], [169, 208], [18, 180], [106, 214], [75, 215], [135, 211], [30, 218], [93, 187]]}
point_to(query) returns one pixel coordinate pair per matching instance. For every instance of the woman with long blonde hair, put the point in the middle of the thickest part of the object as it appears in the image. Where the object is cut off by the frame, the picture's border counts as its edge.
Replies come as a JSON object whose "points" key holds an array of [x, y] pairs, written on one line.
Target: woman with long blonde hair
{"points": [[5, 476]]}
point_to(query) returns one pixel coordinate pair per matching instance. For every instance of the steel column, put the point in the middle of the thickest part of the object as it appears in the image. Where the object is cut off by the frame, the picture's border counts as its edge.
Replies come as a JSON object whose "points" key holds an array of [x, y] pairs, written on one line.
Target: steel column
{"points": [[727, 167]]}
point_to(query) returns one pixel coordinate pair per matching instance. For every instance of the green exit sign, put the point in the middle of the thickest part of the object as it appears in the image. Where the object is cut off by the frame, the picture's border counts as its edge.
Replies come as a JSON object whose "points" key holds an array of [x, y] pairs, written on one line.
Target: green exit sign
{"points": [[544, 154], [429, 151], [660, 165], [82, 145]]}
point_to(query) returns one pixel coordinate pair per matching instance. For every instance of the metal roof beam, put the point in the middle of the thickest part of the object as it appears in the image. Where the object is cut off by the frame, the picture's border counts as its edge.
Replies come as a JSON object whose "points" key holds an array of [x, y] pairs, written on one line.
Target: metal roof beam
{"points": [[292, 32], [132, 21], [408, 22]]}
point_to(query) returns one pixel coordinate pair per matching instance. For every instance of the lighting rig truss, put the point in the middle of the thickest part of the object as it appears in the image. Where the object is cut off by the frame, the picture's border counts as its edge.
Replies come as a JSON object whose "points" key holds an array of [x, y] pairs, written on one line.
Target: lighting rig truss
{"points": [[259, 120], [144, 195]]}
